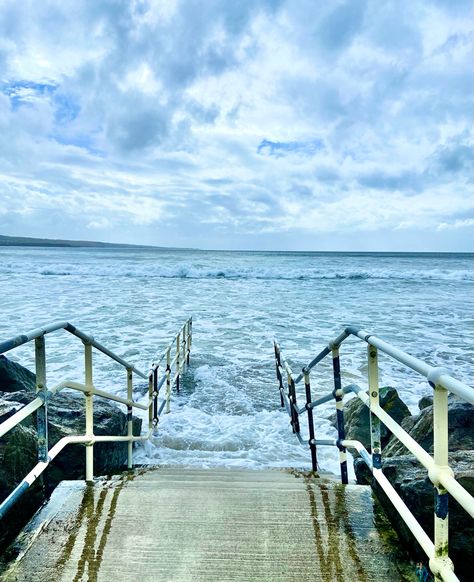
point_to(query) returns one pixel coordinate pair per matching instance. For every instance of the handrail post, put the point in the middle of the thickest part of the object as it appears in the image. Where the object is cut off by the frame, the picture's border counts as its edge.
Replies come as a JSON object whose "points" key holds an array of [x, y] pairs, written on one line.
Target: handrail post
{"points": [[441, 496], [278, 373], [374, 400], [168, 379], [190, 329], [41, 390], [190, 333], [178, 337], [295, 423], [312, 444], [89, 411], [338, 395], [153, 389], [129, 419], [183, 346]]}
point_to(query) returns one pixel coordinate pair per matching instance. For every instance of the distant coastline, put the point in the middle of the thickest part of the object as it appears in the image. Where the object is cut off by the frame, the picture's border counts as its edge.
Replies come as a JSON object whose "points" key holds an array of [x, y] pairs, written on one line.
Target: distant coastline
{"points": [[26, 241]]}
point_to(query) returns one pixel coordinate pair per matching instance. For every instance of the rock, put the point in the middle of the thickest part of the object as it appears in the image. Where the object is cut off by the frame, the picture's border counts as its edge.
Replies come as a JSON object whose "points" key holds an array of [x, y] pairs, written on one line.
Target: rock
{"points": [[420, 427], [17, 457], [66, 416], [410, 478], [411, 482], [14, 378], [425, 401], [357, 421]]}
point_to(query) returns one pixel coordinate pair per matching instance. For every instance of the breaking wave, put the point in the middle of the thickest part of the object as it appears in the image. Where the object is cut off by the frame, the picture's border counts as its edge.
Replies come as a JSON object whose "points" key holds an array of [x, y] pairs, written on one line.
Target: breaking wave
{"points": [[192, 272]]}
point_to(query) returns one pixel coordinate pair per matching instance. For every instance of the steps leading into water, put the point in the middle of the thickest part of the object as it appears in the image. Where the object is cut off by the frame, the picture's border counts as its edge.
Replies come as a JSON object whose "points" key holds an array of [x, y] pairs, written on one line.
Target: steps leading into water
{"points": [[206, 525]]}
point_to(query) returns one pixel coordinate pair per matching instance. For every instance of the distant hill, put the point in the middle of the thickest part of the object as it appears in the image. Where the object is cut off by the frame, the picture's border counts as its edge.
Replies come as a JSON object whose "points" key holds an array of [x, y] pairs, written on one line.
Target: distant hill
{"points": [[26, 241]]}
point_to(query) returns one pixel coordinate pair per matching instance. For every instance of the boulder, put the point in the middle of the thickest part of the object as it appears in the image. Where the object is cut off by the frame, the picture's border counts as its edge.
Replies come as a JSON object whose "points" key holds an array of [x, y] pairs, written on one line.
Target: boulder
{"points": [[15, 378], [410, 479], [18, 448], [425, 401], [411, 482], [357, 417], [420, 427]]}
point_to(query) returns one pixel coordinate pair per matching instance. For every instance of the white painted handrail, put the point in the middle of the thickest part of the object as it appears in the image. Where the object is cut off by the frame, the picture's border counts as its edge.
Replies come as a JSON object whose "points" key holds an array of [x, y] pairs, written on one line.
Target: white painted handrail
{"points": [[182, 341], [439, 472]]}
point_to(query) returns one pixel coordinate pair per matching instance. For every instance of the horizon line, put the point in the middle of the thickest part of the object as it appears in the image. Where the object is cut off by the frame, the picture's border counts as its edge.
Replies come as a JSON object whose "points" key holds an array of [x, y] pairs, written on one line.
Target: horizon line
{"points": [[22, 241]]}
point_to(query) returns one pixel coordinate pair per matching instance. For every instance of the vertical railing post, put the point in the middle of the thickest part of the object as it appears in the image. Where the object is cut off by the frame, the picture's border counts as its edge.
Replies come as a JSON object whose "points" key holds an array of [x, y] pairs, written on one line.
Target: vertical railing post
{"points": [[183, 346], [374, 400], [312, 444], [278, 372], [129, 418], [153, 387], [41, 390], [295, 423], [190, 333], [89, 411], [190, 329], [441, 496], [168, 379], [338, 395], [178, 338]]}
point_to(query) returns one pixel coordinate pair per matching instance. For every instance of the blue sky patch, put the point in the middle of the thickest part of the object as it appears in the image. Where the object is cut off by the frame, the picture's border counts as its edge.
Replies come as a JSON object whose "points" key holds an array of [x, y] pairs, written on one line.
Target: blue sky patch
{"points": [[25, 92], [279, 149]]}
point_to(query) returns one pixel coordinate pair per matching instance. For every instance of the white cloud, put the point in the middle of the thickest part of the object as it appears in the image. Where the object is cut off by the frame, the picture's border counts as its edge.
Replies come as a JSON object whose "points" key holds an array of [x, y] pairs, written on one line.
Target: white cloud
{"points": [[139, 114], [468, 222]]}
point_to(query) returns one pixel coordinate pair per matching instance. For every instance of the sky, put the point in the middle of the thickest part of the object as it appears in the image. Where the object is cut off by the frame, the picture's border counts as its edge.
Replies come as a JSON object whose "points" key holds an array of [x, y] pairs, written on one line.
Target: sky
{"points": [[249, 124]]}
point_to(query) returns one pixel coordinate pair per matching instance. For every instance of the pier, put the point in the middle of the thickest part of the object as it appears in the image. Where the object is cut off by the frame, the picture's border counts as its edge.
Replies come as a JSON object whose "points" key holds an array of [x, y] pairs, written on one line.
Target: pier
{"points": [[206, 525], [178, 523]]}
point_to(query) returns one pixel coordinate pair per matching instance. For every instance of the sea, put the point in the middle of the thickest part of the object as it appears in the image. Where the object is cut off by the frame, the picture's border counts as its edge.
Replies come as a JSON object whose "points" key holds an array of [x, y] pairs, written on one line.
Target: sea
{"points": [[227, 414]]}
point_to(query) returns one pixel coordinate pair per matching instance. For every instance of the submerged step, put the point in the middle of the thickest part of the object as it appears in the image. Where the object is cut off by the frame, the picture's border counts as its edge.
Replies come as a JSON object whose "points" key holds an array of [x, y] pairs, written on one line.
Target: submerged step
{"points": [[205, 525]]}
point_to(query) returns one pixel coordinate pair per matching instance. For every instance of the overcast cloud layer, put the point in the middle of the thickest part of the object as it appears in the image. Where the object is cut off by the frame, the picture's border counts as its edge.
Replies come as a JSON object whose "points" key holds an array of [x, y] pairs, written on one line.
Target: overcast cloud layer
{"points": [[246, 124]]}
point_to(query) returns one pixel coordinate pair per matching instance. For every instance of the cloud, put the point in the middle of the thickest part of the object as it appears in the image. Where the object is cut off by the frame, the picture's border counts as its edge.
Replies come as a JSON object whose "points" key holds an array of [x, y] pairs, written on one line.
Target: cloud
{"points": [[466, 223], [453, 157], [220, 121], [338, 28]]}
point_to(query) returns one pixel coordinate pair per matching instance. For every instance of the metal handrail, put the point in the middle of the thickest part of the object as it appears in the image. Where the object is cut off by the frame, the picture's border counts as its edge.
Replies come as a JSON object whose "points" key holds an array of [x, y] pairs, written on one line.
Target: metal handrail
{"points": [[182, 341], [439, 472], [435, 375], [19, 340]]}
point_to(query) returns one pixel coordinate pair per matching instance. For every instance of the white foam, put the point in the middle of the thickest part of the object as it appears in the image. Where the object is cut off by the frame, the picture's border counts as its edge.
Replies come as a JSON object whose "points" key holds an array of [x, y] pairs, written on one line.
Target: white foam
{"points": [[228, 412]]}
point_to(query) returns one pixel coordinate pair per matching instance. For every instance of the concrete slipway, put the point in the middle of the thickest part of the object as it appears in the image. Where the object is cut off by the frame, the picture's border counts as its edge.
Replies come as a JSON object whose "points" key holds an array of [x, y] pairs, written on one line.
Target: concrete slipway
{"points": [[206, 525]]}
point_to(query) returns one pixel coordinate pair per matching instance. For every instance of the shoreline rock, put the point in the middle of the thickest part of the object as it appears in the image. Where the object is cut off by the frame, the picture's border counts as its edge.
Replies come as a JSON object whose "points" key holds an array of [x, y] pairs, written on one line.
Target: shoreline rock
{"points": [[410, 480], [357, 420], [18, 448]]}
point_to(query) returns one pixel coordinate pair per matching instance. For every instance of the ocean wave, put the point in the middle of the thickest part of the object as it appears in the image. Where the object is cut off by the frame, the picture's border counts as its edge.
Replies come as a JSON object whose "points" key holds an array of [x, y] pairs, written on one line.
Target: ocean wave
{"points": [[229, 273]]}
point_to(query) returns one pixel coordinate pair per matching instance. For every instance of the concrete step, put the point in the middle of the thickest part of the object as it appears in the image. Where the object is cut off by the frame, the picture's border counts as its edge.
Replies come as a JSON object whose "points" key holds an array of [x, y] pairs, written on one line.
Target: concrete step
{"points": [[206, 525]]}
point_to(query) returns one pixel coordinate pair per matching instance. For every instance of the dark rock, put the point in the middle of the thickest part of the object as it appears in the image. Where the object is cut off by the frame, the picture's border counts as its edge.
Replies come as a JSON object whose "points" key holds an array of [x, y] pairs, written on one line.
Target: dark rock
{"points": [[7, 408], [14, 377], [66, 416], [17, 457], [357, 419], [425, 401], [411, 482], [420, 427]]}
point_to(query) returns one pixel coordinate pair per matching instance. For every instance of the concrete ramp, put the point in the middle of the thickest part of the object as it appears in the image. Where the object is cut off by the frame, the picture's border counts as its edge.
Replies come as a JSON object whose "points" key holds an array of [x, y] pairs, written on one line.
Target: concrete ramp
{"points": [[206, 525]]}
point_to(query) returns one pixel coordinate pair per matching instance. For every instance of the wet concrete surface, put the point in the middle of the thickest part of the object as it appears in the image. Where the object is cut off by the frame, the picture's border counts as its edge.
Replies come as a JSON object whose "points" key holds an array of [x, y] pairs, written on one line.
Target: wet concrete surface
{"points": [[207, 525]]}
